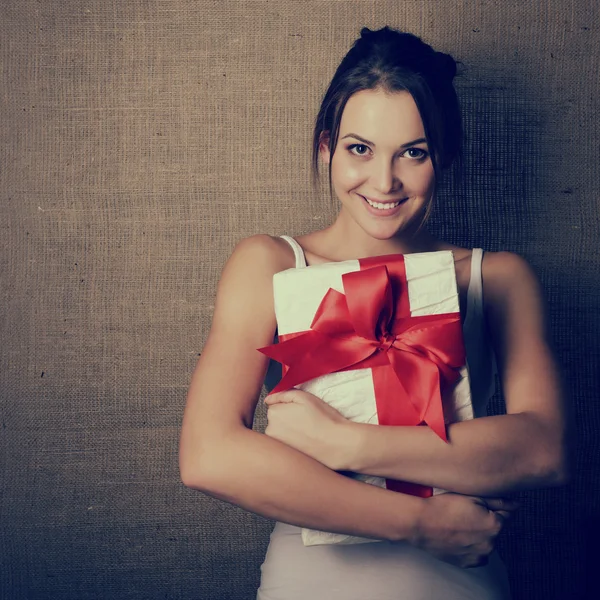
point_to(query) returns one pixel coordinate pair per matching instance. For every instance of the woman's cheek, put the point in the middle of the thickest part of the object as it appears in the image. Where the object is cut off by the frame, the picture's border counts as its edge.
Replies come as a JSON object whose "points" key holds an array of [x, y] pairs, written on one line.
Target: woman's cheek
{"points": [[348, 174], [424, 180]]}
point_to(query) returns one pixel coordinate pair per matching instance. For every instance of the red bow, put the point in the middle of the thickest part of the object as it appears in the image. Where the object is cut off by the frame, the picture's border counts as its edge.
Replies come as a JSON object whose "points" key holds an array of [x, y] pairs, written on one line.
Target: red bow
{"points": [[413, 358]]}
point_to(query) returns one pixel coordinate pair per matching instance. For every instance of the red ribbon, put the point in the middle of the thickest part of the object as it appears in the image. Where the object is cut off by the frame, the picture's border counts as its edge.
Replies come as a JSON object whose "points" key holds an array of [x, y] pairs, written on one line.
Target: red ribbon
{"points": [[413, 358]]}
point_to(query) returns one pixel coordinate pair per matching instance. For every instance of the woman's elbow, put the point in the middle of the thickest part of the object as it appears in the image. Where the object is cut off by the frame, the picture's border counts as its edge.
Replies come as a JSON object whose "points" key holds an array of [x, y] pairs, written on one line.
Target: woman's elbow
{"points": [[545, 457], [199, 456], [192, 470], [207, 462], [553, 467], [553, 475]]}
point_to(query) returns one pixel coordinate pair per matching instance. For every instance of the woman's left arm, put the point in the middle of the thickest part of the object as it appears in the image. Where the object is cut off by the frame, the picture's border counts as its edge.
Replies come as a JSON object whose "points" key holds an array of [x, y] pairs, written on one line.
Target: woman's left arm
{"points": [[523, 449]]}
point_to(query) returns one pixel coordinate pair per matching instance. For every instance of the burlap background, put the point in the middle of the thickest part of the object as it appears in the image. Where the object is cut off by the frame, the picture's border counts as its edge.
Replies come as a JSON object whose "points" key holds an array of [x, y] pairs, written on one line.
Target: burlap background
{"points": [[140, 141]]}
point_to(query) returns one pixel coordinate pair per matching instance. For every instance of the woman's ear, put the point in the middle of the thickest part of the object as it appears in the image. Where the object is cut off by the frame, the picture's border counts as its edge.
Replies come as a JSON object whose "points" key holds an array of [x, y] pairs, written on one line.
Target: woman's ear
{"points": [[324, 147]]}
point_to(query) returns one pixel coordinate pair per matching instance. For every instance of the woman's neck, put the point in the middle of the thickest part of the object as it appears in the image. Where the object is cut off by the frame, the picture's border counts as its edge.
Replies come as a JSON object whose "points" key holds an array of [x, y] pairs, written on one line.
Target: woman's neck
{"points": [[345, 240]]}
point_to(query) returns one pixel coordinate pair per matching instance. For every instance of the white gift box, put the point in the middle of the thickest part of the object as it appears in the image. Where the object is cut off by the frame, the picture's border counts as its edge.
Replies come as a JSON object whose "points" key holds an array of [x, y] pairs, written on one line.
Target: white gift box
{"points": [[432, 290]]}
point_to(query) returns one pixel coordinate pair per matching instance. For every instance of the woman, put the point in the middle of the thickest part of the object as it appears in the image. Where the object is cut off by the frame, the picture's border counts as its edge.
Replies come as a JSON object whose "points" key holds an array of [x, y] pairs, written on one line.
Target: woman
{"points": [[388, 126]]}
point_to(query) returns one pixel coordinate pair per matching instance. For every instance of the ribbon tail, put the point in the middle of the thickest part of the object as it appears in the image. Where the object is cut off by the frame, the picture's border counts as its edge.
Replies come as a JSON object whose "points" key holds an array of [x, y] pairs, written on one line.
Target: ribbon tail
{"points": [[434, 417], [391, 398], [432, 411], [329, 355], [291, 349], [421, 380]]}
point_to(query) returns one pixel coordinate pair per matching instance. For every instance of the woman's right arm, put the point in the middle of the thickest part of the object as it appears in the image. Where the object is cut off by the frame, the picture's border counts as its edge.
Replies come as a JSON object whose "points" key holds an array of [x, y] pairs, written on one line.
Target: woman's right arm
{"points": [[221, 455]]}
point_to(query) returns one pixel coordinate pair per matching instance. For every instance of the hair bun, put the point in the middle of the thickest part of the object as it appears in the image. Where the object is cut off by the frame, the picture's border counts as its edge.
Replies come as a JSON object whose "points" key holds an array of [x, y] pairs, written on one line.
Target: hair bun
{"points": [[407, 50]]}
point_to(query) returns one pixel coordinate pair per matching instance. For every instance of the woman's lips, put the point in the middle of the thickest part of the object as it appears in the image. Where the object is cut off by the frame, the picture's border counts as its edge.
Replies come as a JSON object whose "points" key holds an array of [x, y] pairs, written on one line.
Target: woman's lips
{"points": [[384, 212]]}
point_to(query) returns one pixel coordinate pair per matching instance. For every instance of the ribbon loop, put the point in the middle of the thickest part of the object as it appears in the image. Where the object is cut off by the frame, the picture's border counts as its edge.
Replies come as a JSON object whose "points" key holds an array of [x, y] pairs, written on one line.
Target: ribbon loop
{"points": [[370, 301]]}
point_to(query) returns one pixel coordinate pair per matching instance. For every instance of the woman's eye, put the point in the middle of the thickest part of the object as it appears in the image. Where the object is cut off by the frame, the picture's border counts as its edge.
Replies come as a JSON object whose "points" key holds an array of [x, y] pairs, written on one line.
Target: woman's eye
{"points": [[359, 149], [416, 153]]}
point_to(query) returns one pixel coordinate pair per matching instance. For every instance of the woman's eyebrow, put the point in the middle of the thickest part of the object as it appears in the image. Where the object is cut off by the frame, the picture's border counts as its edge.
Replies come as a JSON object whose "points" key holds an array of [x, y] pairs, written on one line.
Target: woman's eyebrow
{"points": [[368, 143], [421, 140], [360, 139]]}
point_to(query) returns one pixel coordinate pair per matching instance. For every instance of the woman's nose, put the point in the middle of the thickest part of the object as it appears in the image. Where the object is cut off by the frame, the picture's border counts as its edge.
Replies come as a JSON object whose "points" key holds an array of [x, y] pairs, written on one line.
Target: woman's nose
{"points": [[386, 178]]}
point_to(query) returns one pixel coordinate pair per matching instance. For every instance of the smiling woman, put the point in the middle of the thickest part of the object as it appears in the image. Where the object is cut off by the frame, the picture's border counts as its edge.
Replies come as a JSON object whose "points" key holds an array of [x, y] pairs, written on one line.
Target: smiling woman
{"points": [[389, 124]]}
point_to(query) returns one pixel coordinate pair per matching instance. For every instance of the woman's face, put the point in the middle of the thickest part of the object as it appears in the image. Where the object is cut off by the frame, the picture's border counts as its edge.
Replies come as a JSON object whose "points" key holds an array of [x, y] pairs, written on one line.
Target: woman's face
{"points": [[381, 169]]}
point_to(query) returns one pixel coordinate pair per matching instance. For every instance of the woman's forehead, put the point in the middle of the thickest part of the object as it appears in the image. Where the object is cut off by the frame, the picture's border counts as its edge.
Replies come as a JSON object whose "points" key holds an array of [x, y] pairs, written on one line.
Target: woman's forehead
{"points": [[382, 117]]}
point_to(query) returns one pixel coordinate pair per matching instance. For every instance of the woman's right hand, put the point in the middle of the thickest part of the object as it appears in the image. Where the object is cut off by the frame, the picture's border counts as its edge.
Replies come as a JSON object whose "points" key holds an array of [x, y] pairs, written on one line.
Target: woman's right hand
{"points": [[461, 530]]}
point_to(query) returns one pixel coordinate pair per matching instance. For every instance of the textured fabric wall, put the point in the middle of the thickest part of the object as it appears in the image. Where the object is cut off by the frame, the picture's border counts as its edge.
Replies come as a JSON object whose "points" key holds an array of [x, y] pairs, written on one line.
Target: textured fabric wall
{"points": [[140, 141]]}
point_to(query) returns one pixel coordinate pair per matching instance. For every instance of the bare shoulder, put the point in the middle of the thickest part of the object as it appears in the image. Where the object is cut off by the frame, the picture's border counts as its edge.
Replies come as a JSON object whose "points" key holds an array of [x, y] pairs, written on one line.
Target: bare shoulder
{"points": [[506, 263], [262, 252], [246, 287], [508, 275]]}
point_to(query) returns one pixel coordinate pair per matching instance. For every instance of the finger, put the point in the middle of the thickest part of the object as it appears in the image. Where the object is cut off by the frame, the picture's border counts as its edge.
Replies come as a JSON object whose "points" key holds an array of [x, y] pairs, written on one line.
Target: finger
{"points": [[503, 514], [502, 504], [279, 398], [271, 399], [482, 561]]}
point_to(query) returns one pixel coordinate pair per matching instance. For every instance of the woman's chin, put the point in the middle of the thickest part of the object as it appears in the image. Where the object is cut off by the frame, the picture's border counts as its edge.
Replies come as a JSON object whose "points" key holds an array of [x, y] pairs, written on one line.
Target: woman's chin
{"points": [[383, 229], [389, 231]]}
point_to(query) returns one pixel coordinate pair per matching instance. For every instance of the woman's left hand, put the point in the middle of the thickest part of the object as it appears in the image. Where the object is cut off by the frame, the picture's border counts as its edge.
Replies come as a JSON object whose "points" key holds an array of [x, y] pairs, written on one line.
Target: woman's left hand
{"points": [[306, 423]]}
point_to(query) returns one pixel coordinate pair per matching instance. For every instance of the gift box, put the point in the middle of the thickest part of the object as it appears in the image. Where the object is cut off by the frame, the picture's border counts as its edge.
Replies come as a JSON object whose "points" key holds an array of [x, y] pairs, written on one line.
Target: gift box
{"points": [[380, 340]]}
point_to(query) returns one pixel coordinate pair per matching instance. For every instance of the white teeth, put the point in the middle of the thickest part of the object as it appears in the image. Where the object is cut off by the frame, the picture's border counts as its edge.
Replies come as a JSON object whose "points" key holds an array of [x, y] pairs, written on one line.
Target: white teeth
{"points": [[382, 205]]}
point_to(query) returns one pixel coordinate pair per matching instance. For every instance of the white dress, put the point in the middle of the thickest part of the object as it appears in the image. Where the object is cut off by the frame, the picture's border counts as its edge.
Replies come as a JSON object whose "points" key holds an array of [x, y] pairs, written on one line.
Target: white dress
{"points": [[385, 570]]}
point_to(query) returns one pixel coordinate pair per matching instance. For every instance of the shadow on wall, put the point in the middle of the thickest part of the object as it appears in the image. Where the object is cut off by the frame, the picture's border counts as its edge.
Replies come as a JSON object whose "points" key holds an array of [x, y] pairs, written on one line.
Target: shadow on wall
{"points": [[490, 201], [504, 200]]}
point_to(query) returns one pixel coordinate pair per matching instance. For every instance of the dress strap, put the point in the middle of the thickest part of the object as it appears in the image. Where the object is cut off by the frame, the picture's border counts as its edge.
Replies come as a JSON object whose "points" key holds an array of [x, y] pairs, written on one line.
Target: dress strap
{"points": [[298, 252], [475, 289], [480, 355]]}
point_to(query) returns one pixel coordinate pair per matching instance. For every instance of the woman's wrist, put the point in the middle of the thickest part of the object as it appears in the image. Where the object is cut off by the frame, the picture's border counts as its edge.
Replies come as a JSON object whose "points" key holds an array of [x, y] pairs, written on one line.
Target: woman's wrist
{"points": [[348, 446], [410, 515]]}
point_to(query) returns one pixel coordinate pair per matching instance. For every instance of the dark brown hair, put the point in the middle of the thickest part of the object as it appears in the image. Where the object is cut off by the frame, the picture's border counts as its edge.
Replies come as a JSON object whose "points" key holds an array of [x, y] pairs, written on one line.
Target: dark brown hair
{"points": [[394, 61]]}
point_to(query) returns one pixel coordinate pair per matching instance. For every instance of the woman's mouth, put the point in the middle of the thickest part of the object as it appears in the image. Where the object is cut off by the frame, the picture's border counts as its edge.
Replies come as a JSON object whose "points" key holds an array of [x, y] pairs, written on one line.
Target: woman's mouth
{"points": [[383, 209]]}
